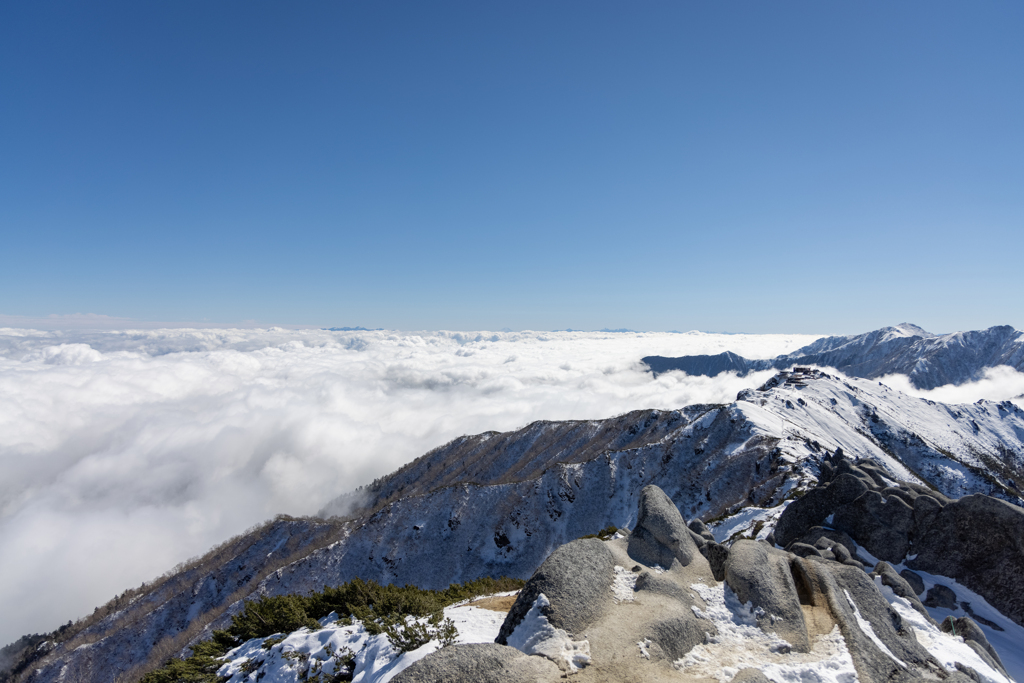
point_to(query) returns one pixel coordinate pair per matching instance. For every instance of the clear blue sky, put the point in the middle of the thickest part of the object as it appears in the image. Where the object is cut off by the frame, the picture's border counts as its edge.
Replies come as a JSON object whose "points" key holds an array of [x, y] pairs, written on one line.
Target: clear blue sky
{"points": [[728, 166]]}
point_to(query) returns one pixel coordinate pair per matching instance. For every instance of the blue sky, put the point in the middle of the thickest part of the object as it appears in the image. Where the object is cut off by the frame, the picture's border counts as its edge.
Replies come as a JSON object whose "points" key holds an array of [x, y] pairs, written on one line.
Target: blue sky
{"points": [[761, 167]]}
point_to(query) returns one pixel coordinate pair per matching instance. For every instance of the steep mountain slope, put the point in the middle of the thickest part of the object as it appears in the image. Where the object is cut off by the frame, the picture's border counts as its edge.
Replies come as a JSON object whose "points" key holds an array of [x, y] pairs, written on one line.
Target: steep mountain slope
{"points": [[928, 360], [493, 457], [498, 504]]}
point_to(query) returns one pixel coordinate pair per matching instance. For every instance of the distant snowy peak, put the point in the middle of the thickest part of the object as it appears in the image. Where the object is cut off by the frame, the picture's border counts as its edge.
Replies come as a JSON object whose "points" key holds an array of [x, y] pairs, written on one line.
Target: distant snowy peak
{"points": [[901, 334], [909, 330], [928, 360]]}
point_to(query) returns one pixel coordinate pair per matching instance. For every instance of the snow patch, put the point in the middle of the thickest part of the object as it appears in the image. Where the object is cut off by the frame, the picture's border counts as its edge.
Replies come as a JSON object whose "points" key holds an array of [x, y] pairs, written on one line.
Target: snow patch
{"points": [[536, 636], [624, 585], [304, 654], [741, 644], [945, 647], [745, 520]]}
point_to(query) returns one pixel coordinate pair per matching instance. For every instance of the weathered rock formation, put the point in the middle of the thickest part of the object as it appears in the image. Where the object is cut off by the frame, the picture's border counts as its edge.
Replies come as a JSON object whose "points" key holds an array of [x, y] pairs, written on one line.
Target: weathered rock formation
{"points": [[976, 540], [638, 606]]}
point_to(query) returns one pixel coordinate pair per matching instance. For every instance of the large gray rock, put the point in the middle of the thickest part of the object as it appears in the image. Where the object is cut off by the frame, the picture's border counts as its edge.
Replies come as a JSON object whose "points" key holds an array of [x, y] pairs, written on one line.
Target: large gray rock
{"points": [[913, 580], [576, 579], [660, 536], [479, 663], [811, 509], [658, 583], [697, 526], [850, 595], [750, 676], [979, 542], [761, 575], [881, 525], [941, 596], [680, 633], [803, 550]]}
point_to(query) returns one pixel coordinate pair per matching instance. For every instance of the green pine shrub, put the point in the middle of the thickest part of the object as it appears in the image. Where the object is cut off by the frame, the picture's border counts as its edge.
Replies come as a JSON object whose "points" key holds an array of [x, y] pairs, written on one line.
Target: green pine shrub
{"points": [[269, 615], [392, 610]]}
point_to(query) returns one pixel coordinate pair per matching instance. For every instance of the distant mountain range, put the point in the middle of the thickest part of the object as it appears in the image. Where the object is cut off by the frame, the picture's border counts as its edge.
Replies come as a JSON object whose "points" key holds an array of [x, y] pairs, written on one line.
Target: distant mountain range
{"points": [[929, 360], [353, 329]]}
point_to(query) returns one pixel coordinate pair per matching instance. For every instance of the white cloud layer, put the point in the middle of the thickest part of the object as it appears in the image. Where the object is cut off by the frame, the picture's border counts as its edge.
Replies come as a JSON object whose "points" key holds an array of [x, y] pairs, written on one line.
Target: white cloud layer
{"points": [[124, 453], [1000, 383]]}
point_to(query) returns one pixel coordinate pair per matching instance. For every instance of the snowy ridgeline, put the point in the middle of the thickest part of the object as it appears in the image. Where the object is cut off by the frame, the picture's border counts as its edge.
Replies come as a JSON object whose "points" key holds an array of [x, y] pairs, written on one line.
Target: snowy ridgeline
{"points": [[927, 360], [345, 648]]}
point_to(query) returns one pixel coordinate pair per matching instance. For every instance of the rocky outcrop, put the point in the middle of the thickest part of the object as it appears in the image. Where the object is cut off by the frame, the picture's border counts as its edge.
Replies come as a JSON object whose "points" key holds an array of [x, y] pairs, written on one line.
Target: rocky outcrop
{"points": [[979, 541], [479, 663], [661, 536], [573, 579], [976, 540], [648, 631], [900, 587], [966, 628], [760, 575]]}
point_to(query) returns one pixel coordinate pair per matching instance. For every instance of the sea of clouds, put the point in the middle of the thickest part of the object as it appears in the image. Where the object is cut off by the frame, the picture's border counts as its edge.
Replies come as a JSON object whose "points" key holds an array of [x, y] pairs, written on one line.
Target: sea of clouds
{"points": [[125, 453]]}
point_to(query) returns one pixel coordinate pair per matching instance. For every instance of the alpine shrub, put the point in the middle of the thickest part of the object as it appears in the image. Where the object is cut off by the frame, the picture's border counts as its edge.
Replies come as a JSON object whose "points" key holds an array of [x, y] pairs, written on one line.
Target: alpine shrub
{"points": [[396, 611]]}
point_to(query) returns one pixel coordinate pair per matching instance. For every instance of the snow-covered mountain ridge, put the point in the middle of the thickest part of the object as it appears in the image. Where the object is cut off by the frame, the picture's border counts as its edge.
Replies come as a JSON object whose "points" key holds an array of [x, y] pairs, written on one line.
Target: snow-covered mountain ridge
{"points": [[498, 504], [928, 360]]}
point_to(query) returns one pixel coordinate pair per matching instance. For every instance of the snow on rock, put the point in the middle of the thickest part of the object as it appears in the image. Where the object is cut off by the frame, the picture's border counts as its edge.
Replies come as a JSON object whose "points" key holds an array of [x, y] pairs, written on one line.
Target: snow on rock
{"points": [[1002, 633], [741, 644], [946, 648], [745, 521], [536, 636], [869, 631], [928, 360]]}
